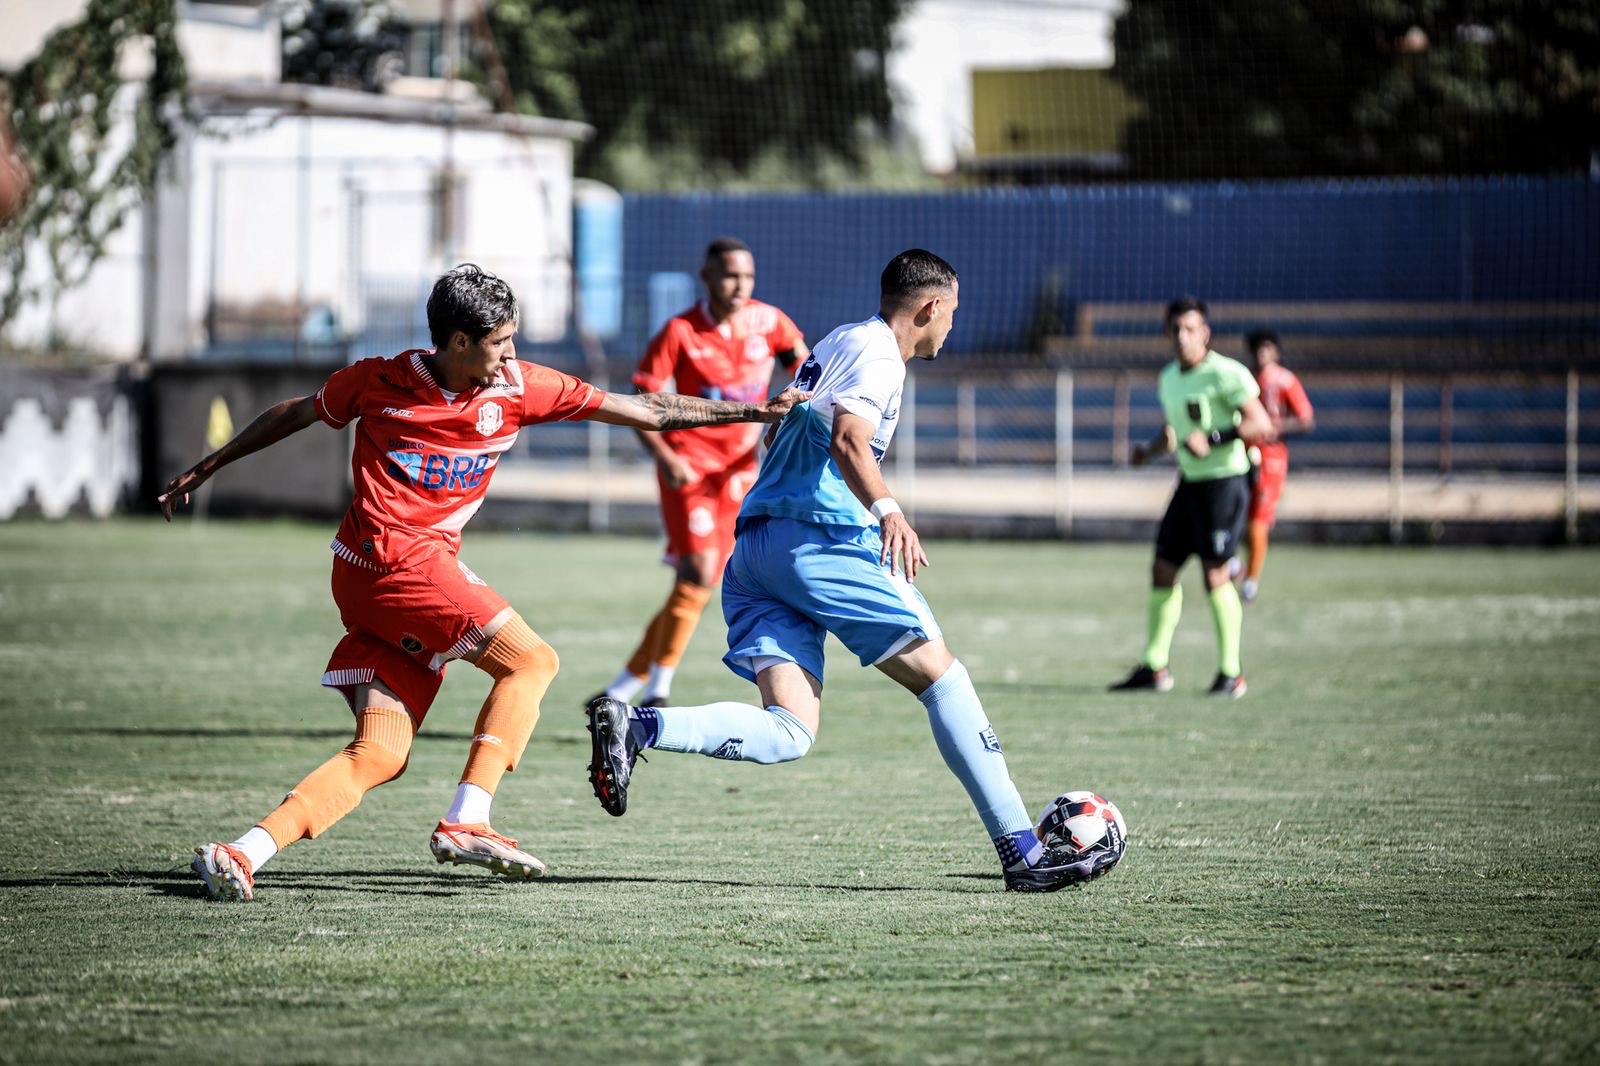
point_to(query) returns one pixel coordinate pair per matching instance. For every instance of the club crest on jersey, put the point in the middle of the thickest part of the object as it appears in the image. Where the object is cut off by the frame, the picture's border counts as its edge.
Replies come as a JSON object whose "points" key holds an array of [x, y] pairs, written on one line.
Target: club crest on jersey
{"points": [[489, 418], [755, 349], [702, 523], [810, 371]]}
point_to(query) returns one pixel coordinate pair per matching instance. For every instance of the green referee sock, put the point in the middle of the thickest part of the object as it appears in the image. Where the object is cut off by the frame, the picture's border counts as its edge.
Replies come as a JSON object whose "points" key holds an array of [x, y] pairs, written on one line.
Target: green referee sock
{"points": [[1228, 614], [1165, 607]]}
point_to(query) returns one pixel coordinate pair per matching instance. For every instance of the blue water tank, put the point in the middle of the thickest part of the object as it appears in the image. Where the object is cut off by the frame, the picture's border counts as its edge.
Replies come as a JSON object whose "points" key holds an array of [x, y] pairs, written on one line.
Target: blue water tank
{"points": [[597, 241], [670, 292]]}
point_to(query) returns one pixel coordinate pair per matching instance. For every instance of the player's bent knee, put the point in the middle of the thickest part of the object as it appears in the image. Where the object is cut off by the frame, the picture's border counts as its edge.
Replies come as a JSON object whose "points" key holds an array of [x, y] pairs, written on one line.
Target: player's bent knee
{"points": [[790, 739], [542, 660], [787, 750], [376, 764], [517, 649]]}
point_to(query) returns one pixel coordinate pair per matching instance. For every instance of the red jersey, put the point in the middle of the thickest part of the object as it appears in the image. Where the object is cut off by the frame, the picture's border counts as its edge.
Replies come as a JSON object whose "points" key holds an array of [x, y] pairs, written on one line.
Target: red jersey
{"points": [[1281, 394], [423, 458], [731, 360]]}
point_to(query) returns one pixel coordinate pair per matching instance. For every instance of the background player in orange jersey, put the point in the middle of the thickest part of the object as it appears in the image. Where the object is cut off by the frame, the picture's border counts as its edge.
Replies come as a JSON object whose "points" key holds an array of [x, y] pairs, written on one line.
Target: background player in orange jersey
{"points": [[1290, 410], [430, 427], [724, 347]]}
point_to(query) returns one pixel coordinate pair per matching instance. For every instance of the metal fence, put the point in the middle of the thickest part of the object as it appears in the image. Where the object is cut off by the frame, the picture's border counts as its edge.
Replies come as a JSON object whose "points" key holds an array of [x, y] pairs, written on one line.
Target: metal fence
{"points": [[1054, 445]]}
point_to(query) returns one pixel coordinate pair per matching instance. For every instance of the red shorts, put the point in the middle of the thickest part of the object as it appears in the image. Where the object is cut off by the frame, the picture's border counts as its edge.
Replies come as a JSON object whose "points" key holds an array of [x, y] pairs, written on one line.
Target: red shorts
{"points": [[1270, 476], [700, 517], [402, 628]]}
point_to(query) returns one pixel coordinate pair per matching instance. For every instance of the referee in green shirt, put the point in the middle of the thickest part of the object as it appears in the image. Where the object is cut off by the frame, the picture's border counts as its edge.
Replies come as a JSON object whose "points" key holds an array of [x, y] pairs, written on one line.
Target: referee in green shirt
{"points": [[1210, 407]]}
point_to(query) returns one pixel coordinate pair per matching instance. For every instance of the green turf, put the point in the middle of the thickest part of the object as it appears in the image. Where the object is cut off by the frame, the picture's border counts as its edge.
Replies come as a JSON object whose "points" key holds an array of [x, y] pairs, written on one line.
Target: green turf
{"points": [[1387, 852]]}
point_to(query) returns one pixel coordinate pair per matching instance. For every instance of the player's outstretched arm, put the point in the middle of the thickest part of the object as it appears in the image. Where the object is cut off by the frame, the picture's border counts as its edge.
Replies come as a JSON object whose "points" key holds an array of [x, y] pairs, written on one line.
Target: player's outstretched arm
{"points": [[677, 470], [269, 427], [669, 410], [851, 449]]}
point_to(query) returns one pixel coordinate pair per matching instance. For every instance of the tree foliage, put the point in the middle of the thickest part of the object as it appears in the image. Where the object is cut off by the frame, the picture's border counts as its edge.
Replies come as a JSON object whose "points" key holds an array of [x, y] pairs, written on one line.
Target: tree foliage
{"points": [[1269, 88], [709, 90], [352, 44], [89, 170]]}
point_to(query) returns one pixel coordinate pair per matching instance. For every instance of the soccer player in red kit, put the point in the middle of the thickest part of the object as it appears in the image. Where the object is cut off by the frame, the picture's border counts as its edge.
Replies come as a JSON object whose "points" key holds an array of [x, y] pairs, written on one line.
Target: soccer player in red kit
{"points": [[1290, 410], [724, 347], [430, 427]]}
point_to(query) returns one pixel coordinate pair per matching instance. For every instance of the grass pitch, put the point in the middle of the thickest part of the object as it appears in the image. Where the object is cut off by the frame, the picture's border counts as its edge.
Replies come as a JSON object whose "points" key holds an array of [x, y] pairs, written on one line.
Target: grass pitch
{"points": [[1386, 852]]}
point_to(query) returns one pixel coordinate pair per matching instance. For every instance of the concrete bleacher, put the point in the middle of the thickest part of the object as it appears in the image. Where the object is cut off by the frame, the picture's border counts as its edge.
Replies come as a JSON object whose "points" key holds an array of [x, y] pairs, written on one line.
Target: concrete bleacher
{"points": [[1460, 386], [1356, 335]]}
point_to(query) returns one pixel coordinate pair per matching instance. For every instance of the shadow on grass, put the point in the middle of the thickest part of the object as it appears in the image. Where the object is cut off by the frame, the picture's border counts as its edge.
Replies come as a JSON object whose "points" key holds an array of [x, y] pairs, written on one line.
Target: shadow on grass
{"points": [[643, 879], [238, 731], [291, 734], [1026, 690], [183, 884]]}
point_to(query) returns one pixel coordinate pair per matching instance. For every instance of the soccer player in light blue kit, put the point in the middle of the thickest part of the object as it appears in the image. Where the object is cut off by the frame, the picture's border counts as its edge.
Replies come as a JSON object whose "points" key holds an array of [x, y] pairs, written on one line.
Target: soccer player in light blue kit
{"points": [[821, 547]]}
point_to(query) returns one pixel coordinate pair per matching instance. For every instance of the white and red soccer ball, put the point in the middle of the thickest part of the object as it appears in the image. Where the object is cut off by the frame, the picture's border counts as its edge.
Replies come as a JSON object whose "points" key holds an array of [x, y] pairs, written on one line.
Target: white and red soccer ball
{"points": [[1085, 824]]}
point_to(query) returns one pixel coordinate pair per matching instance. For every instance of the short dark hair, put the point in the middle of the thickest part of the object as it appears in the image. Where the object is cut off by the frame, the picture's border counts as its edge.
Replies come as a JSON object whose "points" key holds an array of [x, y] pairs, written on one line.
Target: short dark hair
{"points": [[1255, 339], [723, 245], [1182, 306], [912, 273], [469, 299]]}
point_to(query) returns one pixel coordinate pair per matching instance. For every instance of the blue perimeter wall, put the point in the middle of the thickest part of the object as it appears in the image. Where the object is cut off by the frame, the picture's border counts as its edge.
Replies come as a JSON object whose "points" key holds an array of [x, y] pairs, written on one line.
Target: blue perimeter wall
{"points": [[818, 256]]}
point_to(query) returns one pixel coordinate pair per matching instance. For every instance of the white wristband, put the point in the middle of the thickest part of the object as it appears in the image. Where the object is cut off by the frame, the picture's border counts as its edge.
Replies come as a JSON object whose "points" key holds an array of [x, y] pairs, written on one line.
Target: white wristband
{"points": [[884, 507]]}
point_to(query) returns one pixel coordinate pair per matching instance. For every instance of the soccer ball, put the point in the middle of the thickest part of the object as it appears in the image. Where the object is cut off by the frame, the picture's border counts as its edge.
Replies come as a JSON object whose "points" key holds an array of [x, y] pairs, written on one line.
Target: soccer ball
{"points": [[1088, 825]]}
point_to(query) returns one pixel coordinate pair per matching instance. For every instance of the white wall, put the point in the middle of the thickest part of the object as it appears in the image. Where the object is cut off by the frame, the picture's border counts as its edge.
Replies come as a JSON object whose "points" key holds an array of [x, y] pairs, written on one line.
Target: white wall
{"points": [[105, 313], [218, 40], [940, 42], [230, 41], [92, 457], [325, 209], [24, 24]]}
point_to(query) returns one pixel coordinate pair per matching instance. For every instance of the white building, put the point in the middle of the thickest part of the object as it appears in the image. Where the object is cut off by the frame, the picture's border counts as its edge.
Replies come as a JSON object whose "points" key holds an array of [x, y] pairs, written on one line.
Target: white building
{"points": [[299, 217]]}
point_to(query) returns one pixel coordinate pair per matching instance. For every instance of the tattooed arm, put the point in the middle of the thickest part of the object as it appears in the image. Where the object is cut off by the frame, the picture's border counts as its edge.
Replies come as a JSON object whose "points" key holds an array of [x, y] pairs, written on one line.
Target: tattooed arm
{"points": [[668, 410]]}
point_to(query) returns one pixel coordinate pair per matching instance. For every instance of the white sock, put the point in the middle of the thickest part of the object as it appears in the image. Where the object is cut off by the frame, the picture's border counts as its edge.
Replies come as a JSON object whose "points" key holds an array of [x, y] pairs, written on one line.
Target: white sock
{"points": [[471, 805], [660, 683], [625, 686], [258, 846]]}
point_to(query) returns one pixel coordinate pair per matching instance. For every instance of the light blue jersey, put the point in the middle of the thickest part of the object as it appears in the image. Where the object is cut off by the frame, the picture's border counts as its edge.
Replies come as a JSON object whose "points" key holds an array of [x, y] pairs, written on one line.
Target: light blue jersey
{"points": [[858, 369], [808, 560]]}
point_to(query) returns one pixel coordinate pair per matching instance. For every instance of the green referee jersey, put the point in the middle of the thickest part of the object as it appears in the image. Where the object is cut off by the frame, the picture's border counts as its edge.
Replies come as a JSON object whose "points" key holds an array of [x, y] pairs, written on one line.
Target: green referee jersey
{"points": [[1207, 397]]}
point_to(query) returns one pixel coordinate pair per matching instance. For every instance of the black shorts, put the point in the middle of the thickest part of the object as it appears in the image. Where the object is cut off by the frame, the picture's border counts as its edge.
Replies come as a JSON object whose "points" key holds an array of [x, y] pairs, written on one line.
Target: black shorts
{"points": [[1205, 518]]}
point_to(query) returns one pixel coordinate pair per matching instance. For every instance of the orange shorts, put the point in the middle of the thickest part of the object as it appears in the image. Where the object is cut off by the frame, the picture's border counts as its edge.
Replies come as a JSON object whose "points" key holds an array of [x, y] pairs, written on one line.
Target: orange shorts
{"points": [[1270, 476], [401, 628], [700, 517]]}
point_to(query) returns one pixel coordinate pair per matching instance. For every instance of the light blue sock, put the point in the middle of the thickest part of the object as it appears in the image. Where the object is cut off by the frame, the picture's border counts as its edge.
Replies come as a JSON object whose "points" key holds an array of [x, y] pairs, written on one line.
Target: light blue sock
{"points": [[733, 731], [971, 750]]}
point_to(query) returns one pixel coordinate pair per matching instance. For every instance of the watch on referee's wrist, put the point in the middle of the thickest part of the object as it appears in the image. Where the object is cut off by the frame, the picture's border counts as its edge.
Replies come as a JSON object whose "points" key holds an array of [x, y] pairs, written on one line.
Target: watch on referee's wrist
{"points": [[1223, 436]]}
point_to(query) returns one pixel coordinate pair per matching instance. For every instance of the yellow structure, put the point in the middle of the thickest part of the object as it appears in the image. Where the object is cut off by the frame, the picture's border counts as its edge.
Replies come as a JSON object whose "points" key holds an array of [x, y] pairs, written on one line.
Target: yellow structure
{"points": [[1058, 113]]}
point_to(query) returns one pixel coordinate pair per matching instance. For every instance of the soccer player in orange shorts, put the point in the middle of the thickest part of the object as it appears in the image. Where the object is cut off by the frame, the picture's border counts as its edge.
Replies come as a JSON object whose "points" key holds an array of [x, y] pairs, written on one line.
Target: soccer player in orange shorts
{"points": [[430, 428], [1290, 410], [724, 347]]}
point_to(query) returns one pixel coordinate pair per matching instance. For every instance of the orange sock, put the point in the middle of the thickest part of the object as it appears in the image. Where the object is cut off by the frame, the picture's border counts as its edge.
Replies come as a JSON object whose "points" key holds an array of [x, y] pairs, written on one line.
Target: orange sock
{"points": [[377, 754], [644, 656], [682, 613], [522, 666], [1258, 550]]}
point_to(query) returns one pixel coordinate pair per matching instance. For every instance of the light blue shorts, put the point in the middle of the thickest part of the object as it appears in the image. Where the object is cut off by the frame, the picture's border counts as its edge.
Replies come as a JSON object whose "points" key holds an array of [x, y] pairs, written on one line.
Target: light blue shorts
{"points": [[790, 583]]}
